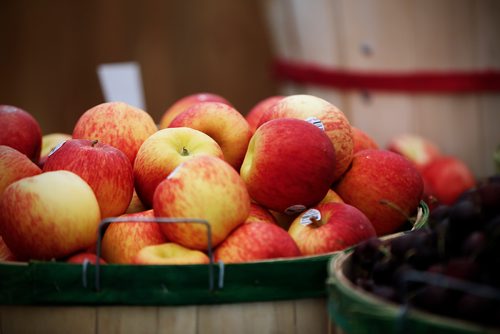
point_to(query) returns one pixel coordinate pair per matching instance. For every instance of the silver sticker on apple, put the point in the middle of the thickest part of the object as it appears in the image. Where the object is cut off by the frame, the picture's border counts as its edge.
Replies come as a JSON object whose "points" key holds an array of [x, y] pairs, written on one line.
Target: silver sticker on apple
{"points": [[310, 216], [316, 122], [56, 148]]}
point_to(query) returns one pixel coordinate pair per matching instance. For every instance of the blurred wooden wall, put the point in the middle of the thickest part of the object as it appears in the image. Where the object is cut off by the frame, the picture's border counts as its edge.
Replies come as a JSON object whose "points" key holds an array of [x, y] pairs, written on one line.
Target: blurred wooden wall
{"points": [[50, 49]]}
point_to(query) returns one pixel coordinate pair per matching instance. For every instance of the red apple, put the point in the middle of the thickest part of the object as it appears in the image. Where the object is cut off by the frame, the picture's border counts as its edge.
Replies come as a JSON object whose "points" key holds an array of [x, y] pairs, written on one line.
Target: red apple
{"points": [[185, 102], [207, 188], [105, 168], [332, 119], [117, 124], [362, 140], [170, 253], [260, 214], [384, 185], [256, 241], [417, 149], [163, 151], [330, 227], [14, 166], [50, 215], [446, 178], [123, 240], [287, 172], [81, 257], [262, 107], [221, 122], [21, 131]]}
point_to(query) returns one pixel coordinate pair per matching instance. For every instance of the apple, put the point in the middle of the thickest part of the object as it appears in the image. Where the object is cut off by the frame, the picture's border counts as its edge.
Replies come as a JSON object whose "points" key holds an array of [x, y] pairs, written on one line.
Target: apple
{"points": [[262, 107], [384, 185], [256, 241], [203, 187], [333, 120], [5, 253], [135, 204], [49, 142], [260, 214], [165, 150], [50, 215], [330, 227], [417, 149], [446, 178], [362, 140], [14, 166], [185, 102], [221, 122], [81, 257], [170, 253], [289, 165], [117, 124], [105, 168], [123, 240], [331, 196], [21, 131]]}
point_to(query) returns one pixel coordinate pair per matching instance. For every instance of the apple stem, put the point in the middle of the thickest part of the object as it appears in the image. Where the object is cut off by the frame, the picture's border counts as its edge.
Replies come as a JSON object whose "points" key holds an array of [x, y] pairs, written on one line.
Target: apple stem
{"points": [[184, 151], [315, 222], [94, 142]]}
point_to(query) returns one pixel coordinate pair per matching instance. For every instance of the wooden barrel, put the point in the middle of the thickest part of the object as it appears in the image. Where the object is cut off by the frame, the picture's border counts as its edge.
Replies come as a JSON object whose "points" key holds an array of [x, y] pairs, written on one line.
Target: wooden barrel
{"points": [[398, 38]]}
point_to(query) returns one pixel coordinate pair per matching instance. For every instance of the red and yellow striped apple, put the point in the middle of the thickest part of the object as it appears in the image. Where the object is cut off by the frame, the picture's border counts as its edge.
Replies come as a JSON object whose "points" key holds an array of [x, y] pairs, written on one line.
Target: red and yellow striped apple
{"points": [[362, 140], [163, 151], [21, 131], [256, 241], [207, 188], [289, 165], [105, 168], [117, 124], [221, 122], [262, 107], [170, 253], [50, 215], [14, 166], [123, 240], [258, 213], [330, 227], [185, 102]]}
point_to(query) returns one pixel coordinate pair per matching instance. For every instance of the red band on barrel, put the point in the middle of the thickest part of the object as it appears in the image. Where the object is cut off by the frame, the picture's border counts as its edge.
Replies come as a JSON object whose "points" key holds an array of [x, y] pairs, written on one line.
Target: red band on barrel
{"points": [[416, 81]]}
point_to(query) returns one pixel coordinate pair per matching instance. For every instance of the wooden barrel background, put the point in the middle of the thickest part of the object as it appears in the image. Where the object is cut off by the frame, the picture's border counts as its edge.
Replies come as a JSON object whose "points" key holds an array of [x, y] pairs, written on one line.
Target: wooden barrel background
{"points": [[393, 37]]}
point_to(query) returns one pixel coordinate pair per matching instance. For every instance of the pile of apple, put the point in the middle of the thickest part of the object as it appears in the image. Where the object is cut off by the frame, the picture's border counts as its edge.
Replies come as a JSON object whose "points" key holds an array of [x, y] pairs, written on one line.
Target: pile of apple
{"points": [[291, 178]]}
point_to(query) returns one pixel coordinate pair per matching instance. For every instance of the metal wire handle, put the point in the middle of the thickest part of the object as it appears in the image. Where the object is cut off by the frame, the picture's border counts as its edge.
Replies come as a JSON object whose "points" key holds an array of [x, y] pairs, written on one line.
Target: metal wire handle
{"points": [[162, 220]]}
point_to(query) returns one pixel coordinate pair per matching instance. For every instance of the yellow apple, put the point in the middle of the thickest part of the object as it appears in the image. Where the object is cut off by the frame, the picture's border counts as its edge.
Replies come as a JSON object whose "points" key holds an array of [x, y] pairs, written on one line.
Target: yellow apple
{"points": [[50, 215], [163, 151], [170, 253], [207, 188]]}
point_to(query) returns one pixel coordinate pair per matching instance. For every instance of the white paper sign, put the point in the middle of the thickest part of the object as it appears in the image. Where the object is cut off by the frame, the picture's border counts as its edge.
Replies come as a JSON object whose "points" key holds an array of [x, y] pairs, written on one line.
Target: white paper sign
{"points": [[122, 82]]}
